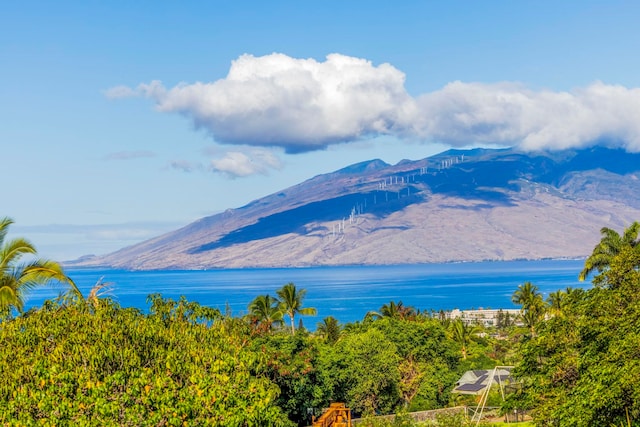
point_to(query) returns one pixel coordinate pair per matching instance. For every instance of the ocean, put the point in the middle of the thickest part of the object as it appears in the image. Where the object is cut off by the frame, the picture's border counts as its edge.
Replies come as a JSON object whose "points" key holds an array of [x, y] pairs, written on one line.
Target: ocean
{"points": [[346, 293]]}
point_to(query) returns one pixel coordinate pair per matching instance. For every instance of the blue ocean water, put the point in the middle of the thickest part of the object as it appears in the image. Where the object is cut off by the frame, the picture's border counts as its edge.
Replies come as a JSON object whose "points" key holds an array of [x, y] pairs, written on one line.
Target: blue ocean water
{"points": [[346, 293]]}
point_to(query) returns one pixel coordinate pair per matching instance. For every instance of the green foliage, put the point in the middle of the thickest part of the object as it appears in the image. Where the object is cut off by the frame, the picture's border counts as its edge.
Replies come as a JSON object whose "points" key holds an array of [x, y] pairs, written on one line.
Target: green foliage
{"points": [[265, 312], [388, 364], [330, 329], [292, 364], [428, 360], [91, 362], [461, 333], [452, 420], [362, 370], [608, 248], [504, 320], [399, 420], [17, 278], [67, 365], [291, 303], [396, 311], [583, 366], [170, 311], [533, 306]]}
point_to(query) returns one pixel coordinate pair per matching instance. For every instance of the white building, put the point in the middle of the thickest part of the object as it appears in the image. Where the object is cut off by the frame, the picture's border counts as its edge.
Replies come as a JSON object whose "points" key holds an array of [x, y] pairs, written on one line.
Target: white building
{"points": [[486, 317]]}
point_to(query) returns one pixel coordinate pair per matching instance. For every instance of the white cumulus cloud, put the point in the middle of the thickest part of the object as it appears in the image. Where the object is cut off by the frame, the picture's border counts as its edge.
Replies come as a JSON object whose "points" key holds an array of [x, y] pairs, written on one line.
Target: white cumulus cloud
{"points": [[240, 164], [508, 113], [304, 105], [298, 104]]}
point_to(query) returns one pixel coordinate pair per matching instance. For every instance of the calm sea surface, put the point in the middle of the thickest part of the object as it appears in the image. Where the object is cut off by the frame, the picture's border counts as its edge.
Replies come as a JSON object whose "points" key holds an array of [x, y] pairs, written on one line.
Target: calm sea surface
{"points": [[346, 293]]}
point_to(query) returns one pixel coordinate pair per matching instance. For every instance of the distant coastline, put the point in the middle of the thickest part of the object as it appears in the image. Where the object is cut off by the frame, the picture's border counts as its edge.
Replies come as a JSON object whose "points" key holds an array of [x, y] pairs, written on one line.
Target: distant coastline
{"points": [[344, 292], [72, 264]]}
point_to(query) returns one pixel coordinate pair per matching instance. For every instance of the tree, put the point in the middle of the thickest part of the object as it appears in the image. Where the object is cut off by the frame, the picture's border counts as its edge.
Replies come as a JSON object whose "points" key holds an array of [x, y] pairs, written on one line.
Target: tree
{"points": [[582, 367], [428, 360], [504, 320], [293, 366], [17, 278], [556, 301], [291, 303], [461, 333], [533, 306], [362, 370], [525, 295], [610, 245], [329, 328], [395, 311], [266, 311], [119, 366]]}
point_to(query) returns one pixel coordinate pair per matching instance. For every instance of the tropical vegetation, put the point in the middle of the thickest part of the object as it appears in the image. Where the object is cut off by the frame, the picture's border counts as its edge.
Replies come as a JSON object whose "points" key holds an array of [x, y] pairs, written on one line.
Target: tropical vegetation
{"points": [[18, 276], [582, 368], [88, 361], [610, 245]]}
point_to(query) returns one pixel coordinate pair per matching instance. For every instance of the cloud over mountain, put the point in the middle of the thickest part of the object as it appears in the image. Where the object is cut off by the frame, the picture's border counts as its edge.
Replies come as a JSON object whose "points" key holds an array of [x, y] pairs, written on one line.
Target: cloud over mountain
{"points": [[508, 113], [305, 105]]}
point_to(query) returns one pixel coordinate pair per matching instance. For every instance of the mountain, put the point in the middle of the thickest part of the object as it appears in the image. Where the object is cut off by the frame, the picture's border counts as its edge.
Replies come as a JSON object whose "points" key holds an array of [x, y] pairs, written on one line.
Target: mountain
{"points": [[459, 205]]}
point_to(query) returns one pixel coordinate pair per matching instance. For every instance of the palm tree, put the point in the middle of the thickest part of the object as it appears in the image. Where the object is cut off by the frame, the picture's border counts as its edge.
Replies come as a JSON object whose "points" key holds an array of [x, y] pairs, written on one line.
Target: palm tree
{"points": [[395, 311], [17, 278], [533, 306], [556, 300], [525, 295], [329, 328], [461, 333], [291, 303], [610, 245], [532, 316], [266, 310]]}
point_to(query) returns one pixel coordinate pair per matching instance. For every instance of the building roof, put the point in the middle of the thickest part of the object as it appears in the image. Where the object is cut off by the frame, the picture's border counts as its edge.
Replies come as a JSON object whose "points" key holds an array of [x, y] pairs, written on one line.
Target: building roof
{"points": [[474, 382]]}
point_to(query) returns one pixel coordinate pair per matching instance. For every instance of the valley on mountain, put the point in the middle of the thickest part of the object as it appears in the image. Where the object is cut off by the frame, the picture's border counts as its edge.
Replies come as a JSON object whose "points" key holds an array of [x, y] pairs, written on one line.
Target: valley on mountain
{"points": [[457, 206]]}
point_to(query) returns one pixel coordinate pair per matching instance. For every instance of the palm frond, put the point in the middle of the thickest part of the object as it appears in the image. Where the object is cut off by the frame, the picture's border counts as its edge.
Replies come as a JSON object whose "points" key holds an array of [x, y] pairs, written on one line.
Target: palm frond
{"points": [[630, 235], [610, 245], [308, 311], [8, 295], [98, 290], [13, 250], [4, 228]]}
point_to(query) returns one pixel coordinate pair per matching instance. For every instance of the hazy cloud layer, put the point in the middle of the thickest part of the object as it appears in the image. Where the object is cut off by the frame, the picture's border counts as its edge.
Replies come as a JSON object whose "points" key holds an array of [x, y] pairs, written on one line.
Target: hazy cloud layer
{"points": [[304, 105], [185, 166], [118, 92], [134, 231], [236, 164], [243, 162], [68, 242]]}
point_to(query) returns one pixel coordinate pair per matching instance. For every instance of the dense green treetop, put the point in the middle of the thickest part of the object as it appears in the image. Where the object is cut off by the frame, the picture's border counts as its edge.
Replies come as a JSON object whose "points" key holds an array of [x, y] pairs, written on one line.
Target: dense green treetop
{"points": [[582, 368]]}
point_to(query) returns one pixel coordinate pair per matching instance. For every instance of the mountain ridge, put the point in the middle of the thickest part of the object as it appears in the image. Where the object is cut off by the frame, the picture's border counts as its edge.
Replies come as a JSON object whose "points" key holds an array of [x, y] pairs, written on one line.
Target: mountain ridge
{"points": [[459, 205]]}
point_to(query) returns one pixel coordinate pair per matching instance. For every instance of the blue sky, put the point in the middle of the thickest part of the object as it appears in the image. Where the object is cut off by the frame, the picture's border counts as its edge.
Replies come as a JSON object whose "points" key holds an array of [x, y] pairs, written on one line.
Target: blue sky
{"points": [[121, 120]]}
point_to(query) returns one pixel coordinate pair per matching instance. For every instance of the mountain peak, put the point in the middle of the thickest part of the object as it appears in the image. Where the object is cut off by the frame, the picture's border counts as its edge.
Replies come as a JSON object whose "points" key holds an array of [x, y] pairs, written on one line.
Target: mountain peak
{"points": [[459, 205], [363, 167]]}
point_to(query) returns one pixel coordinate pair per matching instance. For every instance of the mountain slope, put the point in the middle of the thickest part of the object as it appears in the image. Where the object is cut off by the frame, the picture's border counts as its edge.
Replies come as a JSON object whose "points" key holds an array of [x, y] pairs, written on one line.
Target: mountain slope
{"points": [[460, 205]]}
